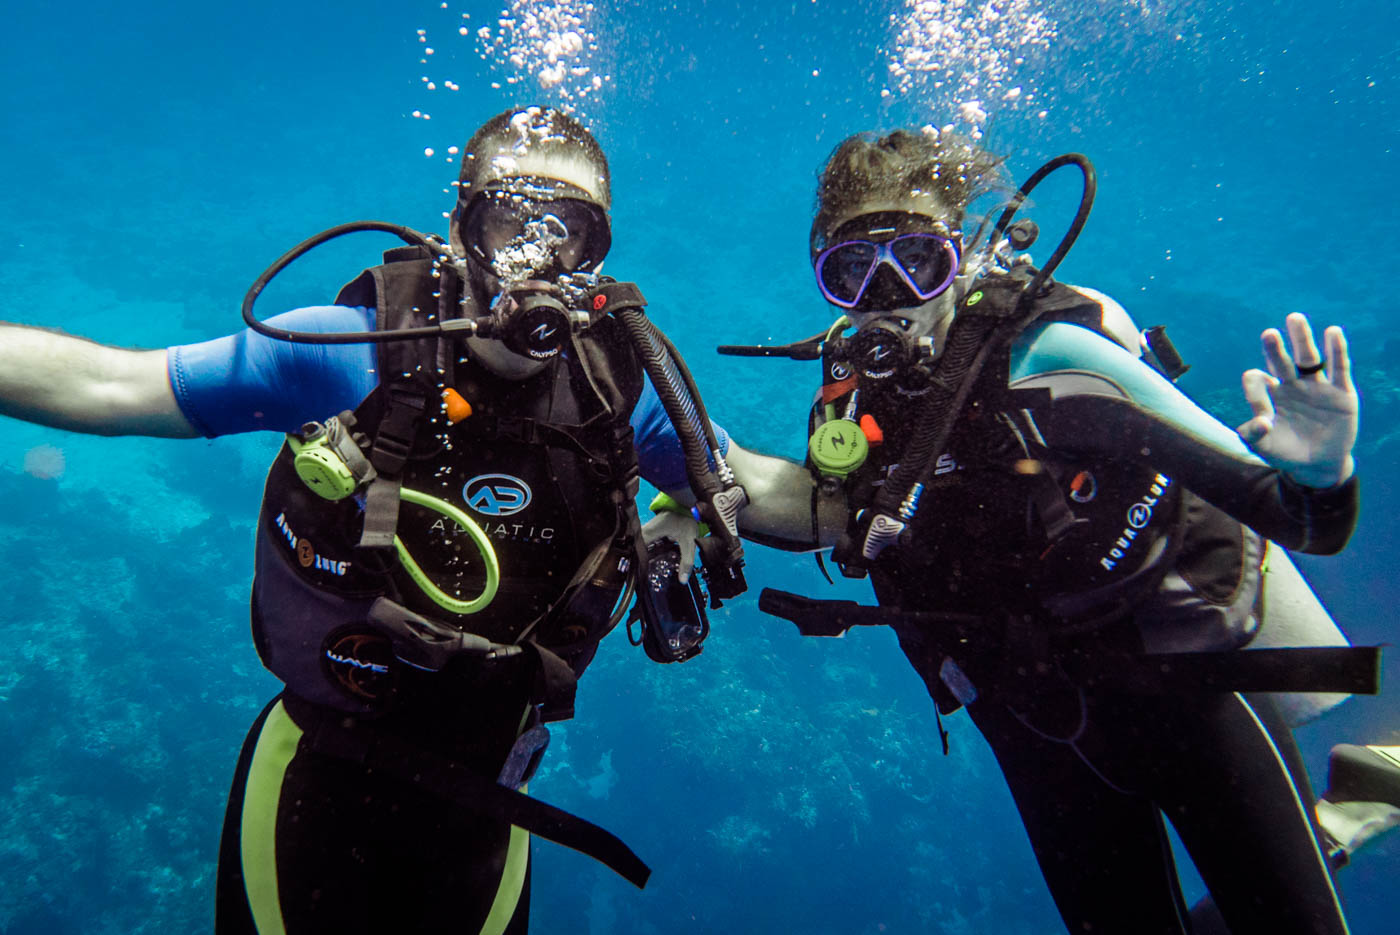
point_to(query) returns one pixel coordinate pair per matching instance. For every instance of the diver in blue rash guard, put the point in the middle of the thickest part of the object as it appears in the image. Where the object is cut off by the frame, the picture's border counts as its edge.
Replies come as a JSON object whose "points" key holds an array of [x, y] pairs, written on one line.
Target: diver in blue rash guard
{"points": [[1038, 509], [445, 536]]}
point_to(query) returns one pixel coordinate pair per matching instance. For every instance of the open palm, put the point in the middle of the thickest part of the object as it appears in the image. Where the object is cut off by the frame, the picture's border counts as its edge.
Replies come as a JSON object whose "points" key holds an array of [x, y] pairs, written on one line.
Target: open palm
{"points": [[1306, 411]]}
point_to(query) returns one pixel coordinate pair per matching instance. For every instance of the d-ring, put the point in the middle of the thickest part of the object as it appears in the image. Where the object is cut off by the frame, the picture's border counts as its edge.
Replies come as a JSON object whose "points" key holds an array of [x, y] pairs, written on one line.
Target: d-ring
{"points": [[1310, 369]]}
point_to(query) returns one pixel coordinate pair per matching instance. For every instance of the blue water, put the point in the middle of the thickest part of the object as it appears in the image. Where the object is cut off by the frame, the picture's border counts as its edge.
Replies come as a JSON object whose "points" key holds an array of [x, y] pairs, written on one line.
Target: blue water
{"points": [[157, 155]]}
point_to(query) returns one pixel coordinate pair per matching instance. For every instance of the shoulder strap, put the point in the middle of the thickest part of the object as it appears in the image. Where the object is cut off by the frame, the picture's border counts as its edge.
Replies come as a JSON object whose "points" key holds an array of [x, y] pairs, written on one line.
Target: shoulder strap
{"points": [[404, 293]]}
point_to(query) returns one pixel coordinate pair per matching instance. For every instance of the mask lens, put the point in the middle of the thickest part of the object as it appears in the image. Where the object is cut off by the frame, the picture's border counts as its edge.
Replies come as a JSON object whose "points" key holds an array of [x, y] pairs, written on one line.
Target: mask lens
{"points": [[843, 271], [925, 258], [495, 220], [585, 233], [558, 236]]}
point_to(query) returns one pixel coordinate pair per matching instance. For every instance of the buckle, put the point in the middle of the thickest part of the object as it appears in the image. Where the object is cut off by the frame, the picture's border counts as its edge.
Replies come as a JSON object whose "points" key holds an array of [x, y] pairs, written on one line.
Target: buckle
{"points": [[512, 429], [398, 428]]}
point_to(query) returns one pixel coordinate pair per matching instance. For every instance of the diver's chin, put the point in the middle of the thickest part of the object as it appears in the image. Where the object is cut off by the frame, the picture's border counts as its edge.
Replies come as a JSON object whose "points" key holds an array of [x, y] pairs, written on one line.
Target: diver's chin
{"points": [[500, 360]]}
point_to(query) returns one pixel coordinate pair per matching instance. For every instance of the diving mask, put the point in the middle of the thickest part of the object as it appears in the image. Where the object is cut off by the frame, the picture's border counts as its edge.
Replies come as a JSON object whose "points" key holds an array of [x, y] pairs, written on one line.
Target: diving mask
{"points": [[534, 229], [886, 261]]}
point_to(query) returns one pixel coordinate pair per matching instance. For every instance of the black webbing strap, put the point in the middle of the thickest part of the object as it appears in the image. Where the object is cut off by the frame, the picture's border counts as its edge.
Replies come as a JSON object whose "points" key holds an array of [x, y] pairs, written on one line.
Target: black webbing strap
{"points": [[381, 513], [525, 431], [1352, 670], [834, 618], [439, 776], [404, 407], [556, 685], [1050, 503]]}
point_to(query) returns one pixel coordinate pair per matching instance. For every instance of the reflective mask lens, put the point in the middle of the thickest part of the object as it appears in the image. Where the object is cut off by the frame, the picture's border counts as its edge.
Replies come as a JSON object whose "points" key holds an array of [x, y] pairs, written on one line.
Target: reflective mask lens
{"points": [[925, 263], [526, 238]]}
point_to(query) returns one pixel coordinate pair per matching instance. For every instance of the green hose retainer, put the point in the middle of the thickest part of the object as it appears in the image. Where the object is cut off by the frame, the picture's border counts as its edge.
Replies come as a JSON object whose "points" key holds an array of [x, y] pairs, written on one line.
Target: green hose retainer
{"points": [[325, 471]]}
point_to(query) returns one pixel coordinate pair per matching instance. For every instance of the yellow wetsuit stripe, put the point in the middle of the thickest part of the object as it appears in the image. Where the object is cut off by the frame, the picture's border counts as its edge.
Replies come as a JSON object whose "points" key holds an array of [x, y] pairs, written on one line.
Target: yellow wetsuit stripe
{"points": [[512, 883], [277, 744], [513, 873]]}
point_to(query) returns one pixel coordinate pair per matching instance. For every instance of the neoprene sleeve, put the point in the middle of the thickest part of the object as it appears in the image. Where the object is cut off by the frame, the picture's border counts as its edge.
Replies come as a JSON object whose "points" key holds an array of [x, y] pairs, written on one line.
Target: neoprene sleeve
{"points": [[1183, 439]]}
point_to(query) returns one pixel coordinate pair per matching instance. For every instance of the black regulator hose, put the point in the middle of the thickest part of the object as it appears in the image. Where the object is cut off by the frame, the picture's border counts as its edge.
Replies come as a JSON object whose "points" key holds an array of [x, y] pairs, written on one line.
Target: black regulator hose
{"points": [[1086, 204], [408, 235], [966, 352], [677, 395], [683, 369], [933, 438]]}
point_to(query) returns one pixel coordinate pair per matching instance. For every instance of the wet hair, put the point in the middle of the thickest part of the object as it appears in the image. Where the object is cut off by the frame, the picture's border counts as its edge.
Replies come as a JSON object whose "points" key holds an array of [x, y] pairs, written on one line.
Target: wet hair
{"points": [[531, 130], [946, 169]]}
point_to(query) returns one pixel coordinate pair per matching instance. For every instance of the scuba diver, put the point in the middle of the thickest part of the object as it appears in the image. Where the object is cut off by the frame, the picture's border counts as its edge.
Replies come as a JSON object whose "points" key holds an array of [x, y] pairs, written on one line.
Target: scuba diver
{"points": [[448, 531], [1072, 550]]}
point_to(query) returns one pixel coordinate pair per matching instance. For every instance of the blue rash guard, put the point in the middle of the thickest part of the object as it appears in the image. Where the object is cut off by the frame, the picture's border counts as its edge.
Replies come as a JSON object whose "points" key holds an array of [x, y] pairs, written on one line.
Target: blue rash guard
{"points": [[247, 382]]}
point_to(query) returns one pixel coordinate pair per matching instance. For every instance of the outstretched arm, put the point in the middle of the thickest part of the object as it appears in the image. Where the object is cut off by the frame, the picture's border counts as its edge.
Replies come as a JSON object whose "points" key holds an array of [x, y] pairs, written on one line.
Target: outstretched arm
{"points": [[71, 383], [1306, 411]]}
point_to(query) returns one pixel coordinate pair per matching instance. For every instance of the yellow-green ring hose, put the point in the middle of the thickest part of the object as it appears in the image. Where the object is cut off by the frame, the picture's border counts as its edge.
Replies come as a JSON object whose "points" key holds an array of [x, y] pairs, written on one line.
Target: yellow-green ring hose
{"points": [[837, 325], [483, 544]]}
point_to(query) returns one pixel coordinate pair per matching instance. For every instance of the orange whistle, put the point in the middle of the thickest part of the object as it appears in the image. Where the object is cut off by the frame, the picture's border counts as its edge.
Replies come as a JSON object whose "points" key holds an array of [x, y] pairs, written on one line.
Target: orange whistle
{"points": [[457, 407], [872, 430]]}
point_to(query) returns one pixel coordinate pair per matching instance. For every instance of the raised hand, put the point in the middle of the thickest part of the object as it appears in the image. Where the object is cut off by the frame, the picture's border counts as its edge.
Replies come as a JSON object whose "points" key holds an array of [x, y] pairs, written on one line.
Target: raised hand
{"points": [[1306, 411]]}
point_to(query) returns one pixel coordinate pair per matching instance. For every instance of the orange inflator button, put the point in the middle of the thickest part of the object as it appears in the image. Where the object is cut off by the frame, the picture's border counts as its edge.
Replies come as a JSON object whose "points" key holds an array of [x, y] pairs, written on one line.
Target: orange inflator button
{"points": [[871, 428], [457, 407]]}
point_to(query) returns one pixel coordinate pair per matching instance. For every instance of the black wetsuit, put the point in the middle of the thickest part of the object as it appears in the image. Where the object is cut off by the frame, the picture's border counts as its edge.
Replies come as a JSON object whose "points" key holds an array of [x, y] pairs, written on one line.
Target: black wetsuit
{"points": [[1093, 763]]}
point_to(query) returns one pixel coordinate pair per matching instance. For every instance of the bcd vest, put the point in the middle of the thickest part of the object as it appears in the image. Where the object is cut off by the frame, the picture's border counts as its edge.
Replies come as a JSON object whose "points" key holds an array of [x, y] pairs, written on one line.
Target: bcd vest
{"points": [[540, 465], [1006, 522]]}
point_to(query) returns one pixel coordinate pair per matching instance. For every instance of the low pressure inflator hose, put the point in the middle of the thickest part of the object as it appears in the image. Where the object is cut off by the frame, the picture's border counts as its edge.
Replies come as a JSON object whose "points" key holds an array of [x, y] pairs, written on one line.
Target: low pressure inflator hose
{"points": [[483, 544], [328, 460]]}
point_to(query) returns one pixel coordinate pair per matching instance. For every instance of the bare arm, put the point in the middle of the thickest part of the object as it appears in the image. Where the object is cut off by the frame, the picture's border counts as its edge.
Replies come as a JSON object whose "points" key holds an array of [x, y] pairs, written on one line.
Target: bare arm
{"points": [[779, 513], [71, 383]]}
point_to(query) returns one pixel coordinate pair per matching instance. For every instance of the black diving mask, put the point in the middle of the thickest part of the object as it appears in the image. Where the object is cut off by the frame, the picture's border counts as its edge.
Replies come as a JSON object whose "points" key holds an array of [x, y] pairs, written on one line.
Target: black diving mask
{"points": [[534, 229]]}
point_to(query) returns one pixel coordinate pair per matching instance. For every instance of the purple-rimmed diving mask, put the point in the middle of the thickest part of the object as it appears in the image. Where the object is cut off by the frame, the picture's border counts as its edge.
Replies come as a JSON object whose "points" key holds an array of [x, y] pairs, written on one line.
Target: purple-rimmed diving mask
{"points": [[916, 252]]}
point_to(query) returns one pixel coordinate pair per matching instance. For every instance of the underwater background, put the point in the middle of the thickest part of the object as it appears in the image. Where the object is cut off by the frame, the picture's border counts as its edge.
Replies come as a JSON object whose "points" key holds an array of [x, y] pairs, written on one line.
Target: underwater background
{"points": [[156, 156]]}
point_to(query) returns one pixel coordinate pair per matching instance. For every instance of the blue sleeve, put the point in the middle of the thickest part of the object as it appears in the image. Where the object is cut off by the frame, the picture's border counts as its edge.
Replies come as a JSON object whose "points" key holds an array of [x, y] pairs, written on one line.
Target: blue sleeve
{"points": [[247, 382], [658, 447], [1062, 346]]}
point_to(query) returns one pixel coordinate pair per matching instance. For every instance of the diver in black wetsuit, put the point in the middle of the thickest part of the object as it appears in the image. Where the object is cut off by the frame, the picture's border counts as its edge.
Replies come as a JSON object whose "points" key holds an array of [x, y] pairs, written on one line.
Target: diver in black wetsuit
{"points": [[1030, 540], [434, 569]]}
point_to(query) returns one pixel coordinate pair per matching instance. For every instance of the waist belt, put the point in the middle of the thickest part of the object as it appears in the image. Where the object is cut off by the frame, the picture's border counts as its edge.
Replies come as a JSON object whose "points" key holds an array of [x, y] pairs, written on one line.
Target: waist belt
{"points": [[1352, 670]]}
